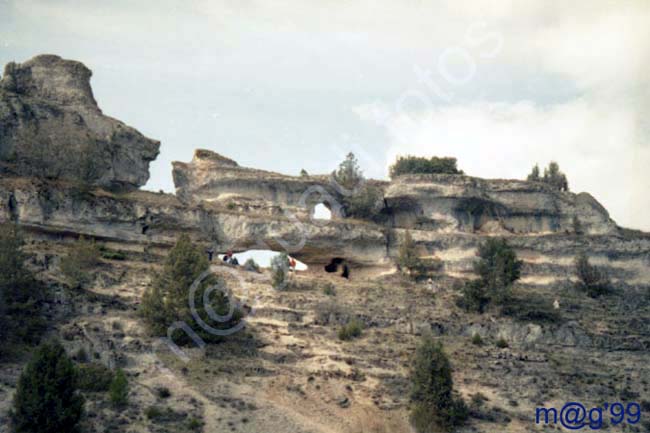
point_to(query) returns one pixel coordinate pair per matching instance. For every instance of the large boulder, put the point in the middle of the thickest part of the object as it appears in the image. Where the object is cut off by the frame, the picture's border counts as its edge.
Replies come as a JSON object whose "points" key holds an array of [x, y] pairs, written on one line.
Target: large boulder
{"points": [[51, 126]]}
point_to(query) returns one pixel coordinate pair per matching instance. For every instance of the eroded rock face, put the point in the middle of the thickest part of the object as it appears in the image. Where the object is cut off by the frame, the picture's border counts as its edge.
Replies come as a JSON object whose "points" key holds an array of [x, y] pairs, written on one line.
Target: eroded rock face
{"points": [[213, 178], [51, 126], [448, 203]]}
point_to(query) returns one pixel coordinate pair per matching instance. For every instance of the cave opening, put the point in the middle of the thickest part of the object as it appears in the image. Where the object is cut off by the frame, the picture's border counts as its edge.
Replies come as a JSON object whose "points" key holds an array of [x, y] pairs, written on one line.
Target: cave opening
{"points": [[335, 264]]}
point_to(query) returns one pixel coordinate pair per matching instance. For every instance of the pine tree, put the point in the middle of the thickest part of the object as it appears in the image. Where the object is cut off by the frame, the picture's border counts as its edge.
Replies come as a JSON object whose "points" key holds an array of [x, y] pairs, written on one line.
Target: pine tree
{"points": [[554, 177], [497, 268], [119, 389], [47, 398], [166, 301], [408, 258], [591, 280], [534, 174], [77, 266], [434, 404], [348, 174], [20, 293]]}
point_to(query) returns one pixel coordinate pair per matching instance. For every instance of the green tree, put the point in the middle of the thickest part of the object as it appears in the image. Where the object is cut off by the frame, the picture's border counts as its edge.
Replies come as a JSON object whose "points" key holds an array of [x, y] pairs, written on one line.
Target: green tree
{"points": [[119, 389], [497, 268], [47, 399], [591, 280], [348, 174], [21, 294], [434, 405], [420, 165], [534, 174], [166, 300], [554, 177], [78, 264], [280, 271], [364, 203], [408, 259]]}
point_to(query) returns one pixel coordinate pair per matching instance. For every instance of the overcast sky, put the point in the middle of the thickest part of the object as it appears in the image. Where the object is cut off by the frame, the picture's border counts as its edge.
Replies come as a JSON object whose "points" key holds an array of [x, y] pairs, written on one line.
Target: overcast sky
{"points": [[290, 84]]}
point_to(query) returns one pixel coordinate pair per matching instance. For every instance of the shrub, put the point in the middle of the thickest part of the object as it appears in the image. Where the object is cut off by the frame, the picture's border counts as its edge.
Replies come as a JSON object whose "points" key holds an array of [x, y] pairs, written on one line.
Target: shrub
{"points": [[109, 254], [166, 300], [251, 266], [153, 412], [590, 279], [419, 165], [194, 424], [163, 392], [21, 294], [364, 203], [502, 343], [94, 377], [303, 173], [477, 340], [478, 400], [47, 399], [434, 405], [408, 259], [352, 329], [497, 268], [119, 389], [82, 258], [329, 289], [280, 271]]}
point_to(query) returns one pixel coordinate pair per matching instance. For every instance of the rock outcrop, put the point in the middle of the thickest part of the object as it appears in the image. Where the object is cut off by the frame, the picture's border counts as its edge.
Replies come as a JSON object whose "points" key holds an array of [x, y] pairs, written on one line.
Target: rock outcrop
{"points": [[439, 203], [213, 178], [51, 127], [449, 203]]}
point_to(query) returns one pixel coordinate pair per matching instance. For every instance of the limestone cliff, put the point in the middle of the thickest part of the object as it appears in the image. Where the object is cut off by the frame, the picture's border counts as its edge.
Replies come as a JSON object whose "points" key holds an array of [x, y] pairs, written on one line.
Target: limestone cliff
{"points": [[52, 127]]}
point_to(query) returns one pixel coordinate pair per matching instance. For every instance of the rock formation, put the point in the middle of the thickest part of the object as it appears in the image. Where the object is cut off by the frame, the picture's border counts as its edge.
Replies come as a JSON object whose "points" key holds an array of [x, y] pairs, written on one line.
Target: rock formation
{"points": [[288, 371], [213, 178], [47, 108], [450, 203], [51, 127]]}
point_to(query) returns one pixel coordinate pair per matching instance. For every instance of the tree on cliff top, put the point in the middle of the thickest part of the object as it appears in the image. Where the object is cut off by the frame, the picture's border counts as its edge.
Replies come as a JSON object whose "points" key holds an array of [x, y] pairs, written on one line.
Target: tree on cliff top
{"points": [[552, 176], [348, 174], [420, 165]]}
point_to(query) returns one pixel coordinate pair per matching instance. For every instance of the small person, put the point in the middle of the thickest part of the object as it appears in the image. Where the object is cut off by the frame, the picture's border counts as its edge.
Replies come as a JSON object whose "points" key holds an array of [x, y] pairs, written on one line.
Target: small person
{"points": [[210, 254], [556, 304], [292, 264]]}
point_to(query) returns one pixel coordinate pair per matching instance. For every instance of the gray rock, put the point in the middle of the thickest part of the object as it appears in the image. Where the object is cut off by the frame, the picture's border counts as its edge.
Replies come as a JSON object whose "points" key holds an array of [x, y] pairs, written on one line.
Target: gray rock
{"points": [[51, 126]]}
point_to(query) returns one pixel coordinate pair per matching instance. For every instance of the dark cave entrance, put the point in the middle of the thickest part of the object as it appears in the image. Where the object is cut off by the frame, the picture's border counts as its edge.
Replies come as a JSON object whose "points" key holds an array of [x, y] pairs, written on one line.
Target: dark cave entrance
{"points": [[335, 264]]}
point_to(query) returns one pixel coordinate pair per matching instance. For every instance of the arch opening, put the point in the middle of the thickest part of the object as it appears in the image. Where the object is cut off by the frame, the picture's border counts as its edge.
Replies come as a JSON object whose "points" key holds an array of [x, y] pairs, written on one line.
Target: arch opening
{"points": [[262, 258], [322, 212]]}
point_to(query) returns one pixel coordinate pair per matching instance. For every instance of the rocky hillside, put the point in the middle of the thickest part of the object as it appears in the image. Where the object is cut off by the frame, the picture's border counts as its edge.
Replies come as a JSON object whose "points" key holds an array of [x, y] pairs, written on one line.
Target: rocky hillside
{"points": [[67, 170]]}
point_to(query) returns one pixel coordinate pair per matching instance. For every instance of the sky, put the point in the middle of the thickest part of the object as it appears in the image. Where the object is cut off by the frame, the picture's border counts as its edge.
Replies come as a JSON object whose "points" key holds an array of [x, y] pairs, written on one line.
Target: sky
{"points": [[284, 85]]}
